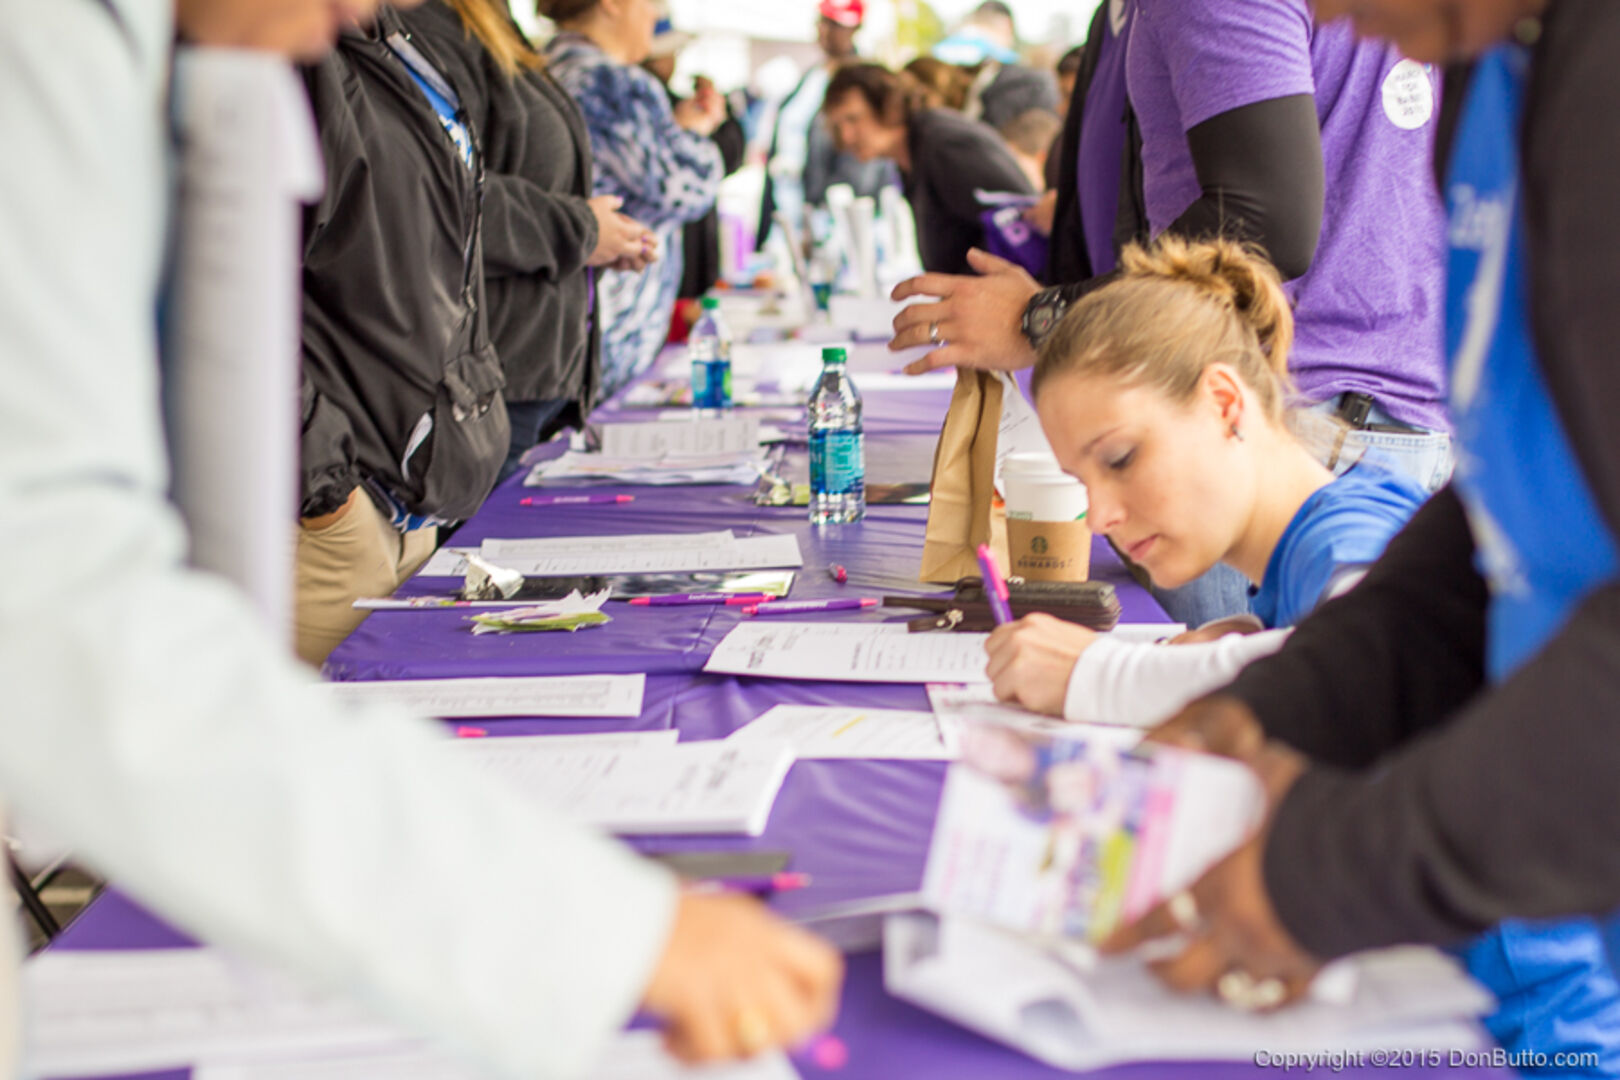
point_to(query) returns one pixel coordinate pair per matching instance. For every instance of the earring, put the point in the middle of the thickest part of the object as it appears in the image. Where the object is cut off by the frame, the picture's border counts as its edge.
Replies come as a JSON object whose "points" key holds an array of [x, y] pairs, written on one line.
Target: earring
{"points": [[1236, 434]]}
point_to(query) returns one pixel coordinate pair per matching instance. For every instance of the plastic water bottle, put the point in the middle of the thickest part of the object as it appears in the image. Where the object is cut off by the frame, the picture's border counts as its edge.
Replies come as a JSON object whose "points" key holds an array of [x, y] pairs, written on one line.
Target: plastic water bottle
{"points": [[709, 346], [837, 446]]}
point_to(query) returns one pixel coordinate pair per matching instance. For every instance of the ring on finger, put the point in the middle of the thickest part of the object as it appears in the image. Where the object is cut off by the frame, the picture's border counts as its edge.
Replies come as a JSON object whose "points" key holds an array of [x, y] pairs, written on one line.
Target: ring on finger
{"points": [[751, 1031], [1245, 993], [933, 333], [1183, 909]]}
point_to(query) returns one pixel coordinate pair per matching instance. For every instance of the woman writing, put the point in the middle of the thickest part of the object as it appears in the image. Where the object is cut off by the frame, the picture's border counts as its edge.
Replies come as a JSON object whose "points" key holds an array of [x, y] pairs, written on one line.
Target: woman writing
{"points": [[944, 157], [1165, 392]]}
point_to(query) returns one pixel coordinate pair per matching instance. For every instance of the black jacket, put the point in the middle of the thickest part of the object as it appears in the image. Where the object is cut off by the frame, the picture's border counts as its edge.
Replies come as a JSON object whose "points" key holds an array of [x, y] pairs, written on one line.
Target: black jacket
{"points": [[402, 388], [1442, 805], [951, 157], [538, 225]]}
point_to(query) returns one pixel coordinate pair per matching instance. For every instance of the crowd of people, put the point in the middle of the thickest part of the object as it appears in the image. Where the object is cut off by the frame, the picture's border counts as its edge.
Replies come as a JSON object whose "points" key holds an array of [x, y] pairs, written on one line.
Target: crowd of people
{"points": [[1321, 320]]}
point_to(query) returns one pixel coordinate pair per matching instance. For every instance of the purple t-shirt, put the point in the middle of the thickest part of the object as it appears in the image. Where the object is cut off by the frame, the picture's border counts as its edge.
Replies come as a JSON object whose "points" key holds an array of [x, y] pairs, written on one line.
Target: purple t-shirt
{"points": [[1368, 312], [1102, 139]]}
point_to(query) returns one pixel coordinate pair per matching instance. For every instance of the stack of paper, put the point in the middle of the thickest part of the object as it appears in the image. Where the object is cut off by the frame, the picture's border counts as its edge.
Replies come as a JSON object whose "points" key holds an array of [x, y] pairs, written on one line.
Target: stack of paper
{"points": [[738, 468], [666, 440], [129, 1011], [957, 708], [644, 554], [828, 732], [548, 695], [717, 787], [848, 652]]}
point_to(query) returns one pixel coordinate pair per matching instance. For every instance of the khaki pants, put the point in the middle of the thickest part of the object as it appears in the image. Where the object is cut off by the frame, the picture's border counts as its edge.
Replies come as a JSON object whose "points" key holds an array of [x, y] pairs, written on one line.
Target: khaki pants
{"points": [[359, 554]]}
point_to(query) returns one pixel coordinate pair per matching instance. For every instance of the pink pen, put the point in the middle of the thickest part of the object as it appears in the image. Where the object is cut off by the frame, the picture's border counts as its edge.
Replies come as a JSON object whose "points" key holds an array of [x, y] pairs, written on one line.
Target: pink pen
{"points": [[995, 586], [679, 599], [574, 500], [799, 607], [824, 1052], [470, 733]]}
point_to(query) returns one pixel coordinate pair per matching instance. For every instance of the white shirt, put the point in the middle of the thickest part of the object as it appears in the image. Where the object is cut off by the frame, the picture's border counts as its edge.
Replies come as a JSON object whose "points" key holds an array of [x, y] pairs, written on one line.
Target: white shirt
{"points": [[1139, 684], [151, 724]]}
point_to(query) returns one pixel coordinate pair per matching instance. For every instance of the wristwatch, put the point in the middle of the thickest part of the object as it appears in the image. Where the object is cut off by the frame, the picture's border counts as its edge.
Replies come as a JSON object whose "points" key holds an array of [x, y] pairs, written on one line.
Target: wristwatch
{"points": [[1042, 314]]}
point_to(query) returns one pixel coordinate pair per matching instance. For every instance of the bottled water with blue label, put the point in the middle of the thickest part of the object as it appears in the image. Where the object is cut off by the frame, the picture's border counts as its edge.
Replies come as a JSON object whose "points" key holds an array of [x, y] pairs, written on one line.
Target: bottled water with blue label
{"points": [[709, 346], [837, 447]]}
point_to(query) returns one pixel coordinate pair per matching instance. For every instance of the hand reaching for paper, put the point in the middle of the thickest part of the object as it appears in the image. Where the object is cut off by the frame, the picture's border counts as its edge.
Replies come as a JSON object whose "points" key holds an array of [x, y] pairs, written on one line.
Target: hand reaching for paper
{"points": [[1030, 661], [979, 319], [1236, 947], [735, 981]]}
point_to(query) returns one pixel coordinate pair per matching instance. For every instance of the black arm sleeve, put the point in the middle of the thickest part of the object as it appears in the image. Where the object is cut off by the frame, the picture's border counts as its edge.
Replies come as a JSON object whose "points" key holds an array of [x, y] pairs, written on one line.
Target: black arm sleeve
{"points": [[1260, 167], [1401, 651], [529, 230], [1512, 809]]}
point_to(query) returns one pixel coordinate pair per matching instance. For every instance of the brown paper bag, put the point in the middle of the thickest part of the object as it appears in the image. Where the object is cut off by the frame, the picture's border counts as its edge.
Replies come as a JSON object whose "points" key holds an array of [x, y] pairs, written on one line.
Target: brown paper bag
{"points": [[961, 511]]}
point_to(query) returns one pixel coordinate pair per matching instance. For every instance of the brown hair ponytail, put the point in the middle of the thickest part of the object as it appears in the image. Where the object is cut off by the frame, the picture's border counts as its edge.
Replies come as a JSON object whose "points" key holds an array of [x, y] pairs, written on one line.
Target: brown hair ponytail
{"points": [[1177, 307]]}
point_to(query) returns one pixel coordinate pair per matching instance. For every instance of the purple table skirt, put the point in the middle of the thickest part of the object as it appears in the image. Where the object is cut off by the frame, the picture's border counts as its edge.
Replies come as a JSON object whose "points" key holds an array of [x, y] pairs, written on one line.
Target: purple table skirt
{"points": [[859, 828]]}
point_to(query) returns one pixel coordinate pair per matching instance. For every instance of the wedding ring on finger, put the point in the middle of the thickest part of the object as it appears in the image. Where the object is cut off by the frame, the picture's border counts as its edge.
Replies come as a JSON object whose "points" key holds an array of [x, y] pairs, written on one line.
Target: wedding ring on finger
{"points": [[1245, 993], [1183, 909], [933, 333], [750, 1031]]}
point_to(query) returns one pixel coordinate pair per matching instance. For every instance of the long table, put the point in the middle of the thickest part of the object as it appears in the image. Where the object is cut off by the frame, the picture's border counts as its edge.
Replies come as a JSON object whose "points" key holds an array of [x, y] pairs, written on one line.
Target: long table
{"points": [[859, 828]]}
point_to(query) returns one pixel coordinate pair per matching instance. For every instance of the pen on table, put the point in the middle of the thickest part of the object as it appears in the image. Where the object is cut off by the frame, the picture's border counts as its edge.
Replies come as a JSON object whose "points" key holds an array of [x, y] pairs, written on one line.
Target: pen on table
{"points": [[470, 733], [995, 586], [574, 500], [785, 881], [797, 607], [838, 573], [678, 599]]}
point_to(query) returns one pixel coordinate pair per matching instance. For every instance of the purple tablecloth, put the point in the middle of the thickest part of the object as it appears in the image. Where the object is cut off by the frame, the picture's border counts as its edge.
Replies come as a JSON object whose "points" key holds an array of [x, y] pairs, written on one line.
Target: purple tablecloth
{"points": [[859, 828]]}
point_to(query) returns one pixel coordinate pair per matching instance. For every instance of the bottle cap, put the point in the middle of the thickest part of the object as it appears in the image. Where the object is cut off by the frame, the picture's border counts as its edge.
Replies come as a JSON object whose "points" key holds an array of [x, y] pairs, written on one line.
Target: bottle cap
{"points": [[834, 354], [710, 303]]}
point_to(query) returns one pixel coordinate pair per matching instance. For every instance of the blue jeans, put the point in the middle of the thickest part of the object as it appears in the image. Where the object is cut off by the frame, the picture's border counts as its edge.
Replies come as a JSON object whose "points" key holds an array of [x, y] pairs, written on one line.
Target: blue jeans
{"points": [[529, 419], [1425, 457]]}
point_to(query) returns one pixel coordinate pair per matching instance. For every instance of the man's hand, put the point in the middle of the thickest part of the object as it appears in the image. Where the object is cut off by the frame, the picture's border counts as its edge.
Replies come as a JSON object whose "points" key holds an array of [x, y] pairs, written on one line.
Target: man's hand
{"points": [[1030, 660], [1236, 938], [736, 980], [978, 318]]}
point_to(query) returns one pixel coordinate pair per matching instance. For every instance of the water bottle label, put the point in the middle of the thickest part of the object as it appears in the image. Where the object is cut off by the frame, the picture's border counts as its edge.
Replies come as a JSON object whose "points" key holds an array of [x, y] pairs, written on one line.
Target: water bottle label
{"points": [[837, 462], [711, 384]]}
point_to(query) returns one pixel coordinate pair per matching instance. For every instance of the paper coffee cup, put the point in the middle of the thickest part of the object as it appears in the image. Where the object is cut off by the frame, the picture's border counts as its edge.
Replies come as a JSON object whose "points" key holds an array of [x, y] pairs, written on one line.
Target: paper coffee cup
{"points": [[1035, 488]]}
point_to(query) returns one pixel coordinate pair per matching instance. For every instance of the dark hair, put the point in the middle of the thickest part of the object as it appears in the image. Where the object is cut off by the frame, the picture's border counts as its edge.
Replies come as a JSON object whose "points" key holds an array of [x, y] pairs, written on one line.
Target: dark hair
{"points": [[564, 11], [1070, 63], [894, 97]]}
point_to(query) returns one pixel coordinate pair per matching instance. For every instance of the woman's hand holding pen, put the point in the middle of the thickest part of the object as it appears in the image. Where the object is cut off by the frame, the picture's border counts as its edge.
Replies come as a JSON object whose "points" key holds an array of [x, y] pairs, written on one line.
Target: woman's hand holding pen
{"points": [[1030, 661], [1235, 944]]}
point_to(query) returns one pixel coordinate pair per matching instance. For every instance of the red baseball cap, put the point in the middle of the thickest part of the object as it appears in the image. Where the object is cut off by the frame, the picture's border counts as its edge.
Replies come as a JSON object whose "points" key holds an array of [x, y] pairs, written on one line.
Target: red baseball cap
{"points": [[848, 13]]}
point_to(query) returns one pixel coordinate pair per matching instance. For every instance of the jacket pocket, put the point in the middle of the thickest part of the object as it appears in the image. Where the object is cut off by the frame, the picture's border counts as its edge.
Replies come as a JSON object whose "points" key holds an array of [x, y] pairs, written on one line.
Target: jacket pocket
{"points": [[457, 462]]}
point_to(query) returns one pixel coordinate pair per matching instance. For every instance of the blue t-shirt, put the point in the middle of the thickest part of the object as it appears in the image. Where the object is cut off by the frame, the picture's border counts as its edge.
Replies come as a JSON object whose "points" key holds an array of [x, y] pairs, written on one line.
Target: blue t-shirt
{"points": [[1342, 526]]}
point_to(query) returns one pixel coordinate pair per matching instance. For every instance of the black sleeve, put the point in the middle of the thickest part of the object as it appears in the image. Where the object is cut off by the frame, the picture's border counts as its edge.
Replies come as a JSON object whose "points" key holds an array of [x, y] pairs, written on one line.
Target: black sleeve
{"points": [[529, 230], [1260, 167], [972, 160], [732, 141], [1400, 652], [1512, 809]]}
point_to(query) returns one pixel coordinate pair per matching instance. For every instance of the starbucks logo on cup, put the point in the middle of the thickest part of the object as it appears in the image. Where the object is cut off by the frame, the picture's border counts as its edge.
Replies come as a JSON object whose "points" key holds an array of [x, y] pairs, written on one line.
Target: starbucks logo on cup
{"points": [[1038, 545]]}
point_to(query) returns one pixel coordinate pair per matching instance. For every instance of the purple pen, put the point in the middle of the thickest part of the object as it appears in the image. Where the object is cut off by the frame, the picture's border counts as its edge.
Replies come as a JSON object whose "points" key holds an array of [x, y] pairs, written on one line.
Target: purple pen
{"points": [[574, 500], [798, 607], [680, 599], [995, 586]]}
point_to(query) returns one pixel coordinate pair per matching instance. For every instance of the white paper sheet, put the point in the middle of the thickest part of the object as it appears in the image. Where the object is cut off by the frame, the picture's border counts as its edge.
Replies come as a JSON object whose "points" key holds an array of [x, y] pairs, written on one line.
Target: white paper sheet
{"points": [[876, 382], [600, 468], [956, 706], [447, 562], [715, 787], [848, 652], [635, 1055], [816, 731], [550, 695], [670, 441], [673, 553], [111, 1013]]}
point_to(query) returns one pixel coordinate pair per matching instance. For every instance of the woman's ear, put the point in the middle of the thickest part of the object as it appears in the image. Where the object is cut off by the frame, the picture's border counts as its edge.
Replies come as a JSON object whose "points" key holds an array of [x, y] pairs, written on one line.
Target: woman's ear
{"points": [[1221, 385]]}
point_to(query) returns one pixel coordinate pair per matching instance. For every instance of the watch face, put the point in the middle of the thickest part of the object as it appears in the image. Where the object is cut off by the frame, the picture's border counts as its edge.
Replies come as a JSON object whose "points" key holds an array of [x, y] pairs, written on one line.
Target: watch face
{"points": [[1042, 319]]}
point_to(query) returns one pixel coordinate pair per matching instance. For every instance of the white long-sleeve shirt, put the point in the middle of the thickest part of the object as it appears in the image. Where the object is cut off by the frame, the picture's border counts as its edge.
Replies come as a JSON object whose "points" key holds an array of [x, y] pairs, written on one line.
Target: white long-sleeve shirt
{"points": [[150, 723], [1120, 682]]}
